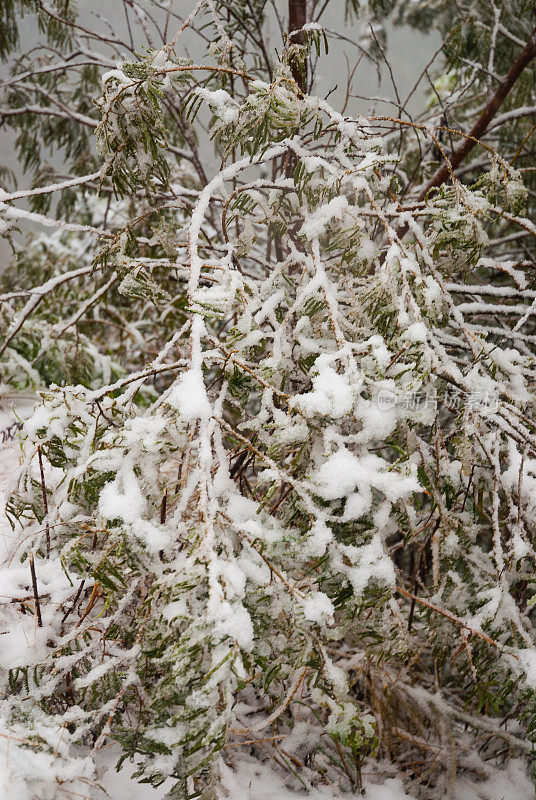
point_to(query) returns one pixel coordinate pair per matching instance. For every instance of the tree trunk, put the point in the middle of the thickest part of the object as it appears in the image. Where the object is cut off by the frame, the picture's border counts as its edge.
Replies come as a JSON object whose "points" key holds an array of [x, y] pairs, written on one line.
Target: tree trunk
{"points": [[297, 18]]}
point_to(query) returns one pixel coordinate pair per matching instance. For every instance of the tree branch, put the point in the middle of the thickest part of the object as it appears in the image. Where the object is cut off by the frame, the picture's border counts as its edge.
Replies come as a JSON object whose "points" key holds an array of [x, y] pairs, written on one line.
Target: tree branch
{"points": [[481, 125], [296, 21]]}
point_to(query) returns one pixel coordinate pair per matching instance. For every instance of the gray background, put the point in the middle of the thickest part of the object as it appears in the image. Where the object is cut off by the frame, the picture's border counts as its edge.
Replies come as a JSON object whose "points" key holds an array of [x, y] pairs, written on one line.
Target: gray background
{"points": [[408, 53]]}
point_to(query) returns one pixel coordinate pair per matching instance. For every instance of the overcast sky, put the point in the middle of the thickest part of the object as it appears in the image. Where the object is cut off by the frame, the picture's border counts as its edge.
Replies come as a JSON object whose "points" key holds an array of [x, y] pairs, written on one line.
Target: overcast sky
{"points": [[408, 53]]}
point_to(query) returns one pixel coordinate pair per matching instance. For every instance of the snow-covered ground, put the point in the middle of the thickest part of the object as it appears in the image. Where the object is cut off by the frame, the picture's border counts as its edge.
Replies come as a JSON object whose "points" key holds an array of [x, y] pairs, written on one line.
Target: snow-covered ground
{"points": [[252, 780], [242, 776]]}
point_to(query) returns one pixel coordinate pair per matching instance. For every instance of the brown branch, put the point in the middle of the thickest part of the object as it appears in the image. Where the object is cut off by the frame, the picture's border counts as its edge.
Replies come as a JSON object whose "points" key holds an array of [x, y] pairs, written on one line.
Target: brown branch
{"points": [[448, 615], [75, 601], [95, 596], [296, 21], [481, 125], [35, 592], [163, 508]]}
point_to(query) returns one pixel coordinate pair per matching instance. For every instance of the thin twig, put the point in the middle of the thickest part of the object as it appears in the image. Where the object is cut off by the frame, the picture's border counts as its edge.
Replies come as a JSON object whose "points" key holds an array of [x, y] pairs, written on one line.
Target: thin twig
{"points": [[450, 616], [75, 601], [45, 500], [35, 592], [163, 508]]}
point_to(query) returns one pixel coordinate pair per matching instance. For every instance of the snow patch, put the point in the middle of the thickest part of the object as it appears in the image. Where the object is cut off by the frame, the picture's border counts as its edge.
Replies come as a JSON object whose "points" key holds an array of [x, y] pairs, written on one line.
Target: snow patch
{"points": [[189, 397]]}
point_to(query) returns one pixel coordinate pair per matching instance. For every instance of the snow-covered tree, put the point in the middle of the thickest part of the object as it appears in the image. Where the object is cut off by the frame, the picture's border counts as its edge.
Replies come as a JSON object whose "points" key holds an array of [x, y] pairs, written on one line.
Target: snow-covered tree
{"points": [[278, 491]]}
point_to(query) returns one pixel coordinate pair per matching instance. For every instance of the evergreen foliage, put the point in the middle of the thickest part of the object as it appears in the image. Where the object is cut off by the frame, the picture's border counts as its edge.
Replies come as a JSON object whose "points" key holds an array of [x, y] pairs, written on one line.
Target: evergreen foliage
{"points": [[280, 480]]}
